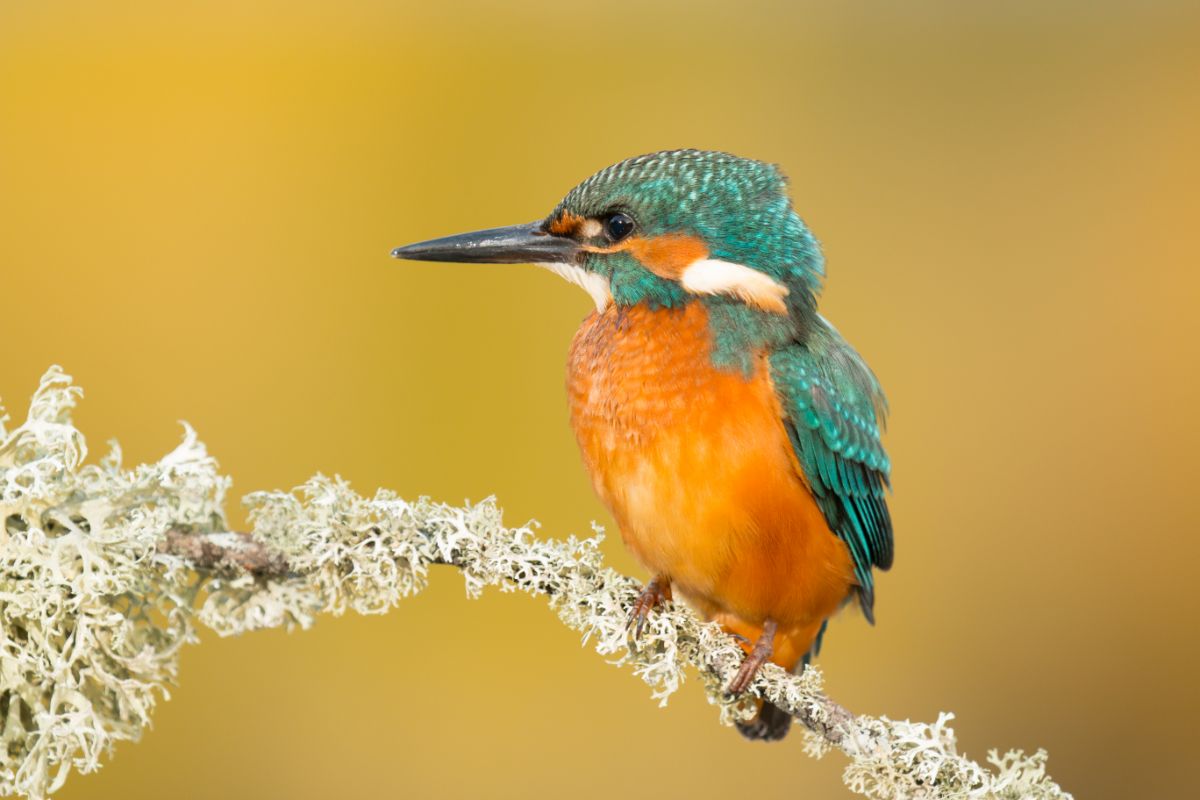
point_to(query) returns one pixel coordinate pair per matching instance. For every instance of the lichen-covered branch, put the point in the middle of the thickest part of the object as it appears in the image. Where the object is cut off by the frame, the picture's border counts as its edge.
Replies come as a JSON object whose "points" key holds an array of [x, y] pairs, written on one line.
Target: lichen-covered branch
{"points": [[226, 553], [105, 572]]}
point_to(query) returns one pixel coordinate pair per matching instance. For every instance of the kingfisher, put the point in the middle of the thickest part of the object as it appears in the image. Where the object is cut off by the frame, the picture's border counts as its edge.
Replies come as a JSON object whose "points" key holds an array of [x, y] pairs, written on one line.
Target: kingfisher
{"points": [[731, 431]]}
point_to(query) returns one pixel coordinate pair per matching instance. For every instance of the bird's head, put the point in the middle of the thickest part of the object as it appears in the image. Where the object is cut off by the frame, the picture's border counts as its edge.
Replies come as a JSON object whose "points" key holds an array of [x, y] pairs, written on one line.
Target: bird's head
{"points": [[663, 229]]}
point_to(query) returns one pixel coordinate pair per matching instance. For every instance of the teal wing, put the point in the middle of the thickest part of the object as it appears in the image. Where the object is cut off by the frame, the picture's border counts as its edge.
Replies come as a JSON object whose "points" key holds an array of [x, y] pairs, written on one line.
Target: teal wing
{"points": [[833, 409]]}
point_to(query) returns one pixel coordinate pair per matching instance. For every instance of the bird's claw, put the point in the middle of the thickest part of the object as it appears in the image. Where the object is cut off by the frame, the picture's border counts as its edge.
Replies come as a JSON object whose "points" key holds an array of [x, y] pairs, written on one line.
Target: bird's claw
{"points": [[652, 597], [745, 674], [757, 656]]}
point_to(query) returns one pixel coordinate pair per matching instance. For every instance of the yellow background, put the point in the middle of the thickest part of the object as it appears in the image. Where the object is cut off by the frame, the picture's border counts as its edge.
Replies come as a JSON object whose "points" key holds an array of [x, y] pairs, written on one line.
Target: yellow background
{"points": [[197, 201]]}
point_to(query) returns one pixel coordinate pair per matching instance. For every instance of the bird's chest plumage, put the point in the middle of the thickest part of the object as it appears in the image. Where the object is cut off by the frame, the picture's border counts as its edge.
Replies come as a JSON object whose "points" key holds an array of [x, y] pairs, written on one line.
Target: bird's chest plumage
{"points": [[696, 466]]}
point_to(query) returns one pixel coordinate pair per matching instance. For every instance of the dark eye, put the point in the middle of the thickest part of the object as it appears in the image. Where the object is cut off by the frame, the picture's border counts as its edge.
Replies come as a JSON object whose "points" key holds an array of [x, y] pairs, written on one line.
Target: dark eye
{"points": [[618, 226]]}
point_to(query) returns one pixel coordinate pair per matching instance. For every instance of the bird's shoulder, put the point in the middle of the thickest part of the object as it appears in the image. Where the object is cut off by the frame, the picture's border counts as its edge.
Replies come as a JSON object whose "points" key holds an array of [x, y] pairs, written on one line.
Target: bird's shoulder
{"points": [[825, 386]]}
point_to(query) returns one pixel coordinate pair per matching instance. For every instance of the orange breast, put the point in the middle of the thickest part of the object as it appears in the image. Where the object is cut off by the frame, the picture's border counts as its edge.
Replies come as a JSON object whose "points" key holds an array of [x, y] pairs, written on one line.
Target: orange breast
{"points": [[696, 466]]}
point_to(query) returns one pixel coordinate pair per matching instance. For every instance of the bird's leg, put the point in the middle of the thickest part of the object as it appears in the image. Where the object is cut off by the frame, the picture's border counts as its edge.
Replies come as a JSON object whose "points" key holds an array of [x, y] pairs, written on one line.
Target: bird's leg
{"points": [[757, 657], [657, 592]]}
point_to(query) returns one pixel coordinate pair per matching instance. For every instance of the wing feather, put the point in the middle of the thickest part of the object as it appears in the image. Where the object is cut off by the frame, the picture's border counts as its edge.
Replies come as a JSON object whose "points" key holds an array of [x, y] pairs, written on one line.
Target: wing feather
{"points": [[834, 409]]}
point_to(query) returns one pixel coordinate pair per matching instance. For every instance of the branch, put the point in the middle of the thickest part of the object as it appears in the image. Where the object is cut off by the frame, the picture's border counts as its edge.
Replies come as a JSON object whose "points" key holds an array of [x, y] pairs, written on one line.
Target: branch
{"points": [[106, 571], [225, 553], [228, 553]]}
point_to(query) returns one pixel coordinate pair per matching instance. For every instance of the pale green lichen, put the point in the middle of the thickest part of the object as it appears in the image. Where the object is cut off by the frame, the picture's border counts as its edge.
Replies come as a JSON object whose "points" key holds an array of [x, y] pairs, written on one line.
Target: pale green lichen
{"points": [[94, 611], [92, 616]]}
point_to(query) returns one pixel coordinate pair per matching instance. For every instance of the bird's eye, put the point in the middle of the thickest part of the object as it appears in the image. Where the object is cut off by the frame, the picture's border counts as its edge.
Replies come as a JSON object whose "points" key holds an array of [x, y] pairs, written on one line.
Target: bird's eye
{"points": [[618, 226]]}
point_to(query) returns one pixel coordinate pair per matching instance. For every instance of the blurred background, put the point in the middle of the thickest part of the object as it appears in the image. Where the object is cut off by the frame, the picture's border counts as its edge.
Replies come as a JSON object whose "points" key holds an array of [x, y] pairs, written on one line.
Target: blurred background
{"points": [[197, 200]]}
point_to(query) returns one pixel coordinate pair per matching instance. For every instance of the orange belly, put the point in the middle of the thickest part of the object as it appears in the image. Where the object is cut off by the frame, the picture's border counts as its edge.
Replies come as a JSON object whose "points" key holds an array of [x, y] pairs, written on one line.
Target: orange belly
{"points": [[696, 466]]}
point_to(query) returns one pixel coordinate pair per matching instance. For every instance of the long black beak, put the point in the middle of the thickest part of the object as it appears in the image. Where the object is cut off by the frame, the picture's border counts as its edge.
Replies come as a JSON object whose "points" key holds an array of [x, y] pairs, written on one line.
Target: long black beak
{"points": [[516, 244]]}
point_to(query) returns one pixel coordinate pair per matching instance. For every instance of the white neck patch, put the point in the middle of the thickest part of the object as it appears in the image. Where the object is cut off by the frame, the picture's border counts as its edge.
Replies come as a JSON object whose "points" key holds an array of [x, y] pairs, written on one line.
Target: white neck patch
{"points": [[594, 284], [712, 276]]}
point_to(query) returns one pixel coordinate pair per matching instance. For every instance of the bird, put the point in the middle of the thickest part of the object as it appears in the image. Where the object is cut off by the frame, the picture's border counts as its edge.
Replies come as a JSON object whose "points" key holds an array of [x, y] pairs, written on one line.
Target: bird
{"points": [[729, 428]]}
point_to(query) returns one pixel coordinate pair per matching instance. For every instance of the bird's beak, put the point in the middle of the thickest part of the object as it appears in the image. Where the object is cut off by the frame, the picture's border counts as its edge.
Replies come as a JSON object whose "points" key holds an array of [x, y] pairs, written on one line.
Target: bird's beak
{"points": [[516, 244]]}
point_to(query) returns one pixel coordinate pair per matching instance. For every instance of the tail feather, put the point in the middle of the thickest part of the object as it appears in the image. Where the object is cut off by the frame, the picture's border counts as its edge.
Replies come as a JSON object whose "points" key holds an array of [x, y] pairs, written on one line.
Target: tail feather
{"points": [[770, 724]]}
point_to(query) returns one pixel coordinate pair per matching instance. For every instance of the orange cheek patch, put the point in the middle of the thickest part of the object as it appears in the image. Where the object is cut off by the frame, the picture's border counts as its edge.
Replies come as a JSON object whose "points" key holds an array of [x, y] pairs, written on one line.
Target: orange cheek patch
{"points": [[669, 255]]}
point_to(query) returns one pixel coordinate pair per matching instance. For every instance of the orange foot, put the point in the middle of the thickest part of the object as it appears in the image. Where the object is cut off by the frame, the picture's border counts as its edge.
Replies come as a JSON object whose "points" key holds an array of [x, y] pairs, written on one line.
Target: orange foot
{"points": [[756, 658], [657, 592]]}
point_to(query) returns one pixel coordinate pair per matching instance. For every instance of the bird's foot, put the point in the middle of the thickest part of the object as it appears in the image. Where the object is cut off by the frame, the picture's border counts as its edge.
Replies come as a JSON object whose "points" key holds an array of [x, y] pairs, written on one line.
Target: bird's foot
{"points": [[657, 592], [757, 656]]}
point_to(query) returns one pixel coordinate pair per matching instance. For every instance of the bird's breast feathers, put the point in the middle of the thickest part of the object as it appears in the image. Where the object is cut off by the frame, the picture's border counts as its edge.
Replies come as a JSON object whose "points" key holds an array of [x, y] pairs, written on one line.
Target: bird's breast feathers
{"points": [[696, 466]]}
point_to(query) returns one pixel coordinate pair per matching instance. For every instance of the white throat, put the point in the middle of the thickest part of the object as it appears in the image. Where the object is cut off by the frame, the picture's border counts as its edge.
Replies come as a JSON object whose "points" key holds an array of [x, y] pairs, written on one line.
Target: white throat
{"points": [[592, 283]]}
